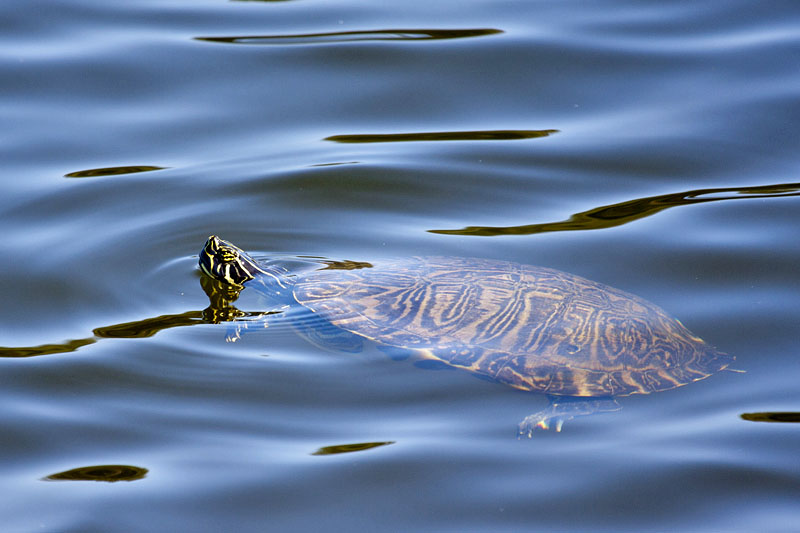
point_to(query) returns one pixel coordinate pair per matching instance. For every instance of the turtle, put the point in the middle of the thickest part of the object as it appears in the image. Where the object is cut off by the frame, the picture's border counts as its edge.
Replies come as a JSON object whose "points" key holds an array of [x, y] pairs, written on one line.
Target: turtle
{"points": [[580, 342]]}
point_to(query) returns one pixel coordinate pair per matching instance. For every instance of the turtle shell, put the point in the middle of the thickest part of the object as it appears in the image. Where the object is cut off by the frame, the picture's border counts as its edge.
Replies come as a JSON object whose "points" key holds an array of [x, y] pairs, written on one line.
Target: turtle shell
{"points": [[532, 328]]}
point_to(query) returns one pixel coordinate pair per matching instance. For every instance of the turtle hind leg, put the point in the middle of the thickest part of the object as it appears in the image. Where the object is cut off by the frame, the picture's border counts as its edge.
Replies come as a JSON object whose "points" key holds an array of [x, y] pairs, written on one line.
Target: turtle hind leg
{"points": [[563, 408]]}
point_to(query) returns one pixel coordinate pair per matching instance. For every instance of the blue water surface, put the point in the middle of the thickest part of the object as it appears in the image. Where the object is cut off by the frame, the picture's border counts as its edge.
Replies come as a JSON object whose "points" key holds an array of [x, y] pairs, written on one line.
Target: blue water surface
{"points": [[650, 146]]}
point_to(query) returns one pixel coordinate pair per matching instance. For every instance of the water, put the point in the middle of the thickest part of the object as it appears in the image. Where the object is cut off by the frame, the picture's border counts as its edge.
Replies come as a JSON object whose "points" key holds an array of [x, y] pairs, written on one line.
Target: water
{"points": [[645, 145]]}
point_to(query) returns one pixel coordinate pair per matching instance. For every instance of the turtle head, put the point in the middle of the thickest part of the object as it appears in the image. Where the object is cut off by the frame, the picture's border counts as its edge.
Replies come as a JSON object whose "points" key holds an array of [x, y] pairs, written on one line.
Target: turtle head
{"points": [[223, 261]]}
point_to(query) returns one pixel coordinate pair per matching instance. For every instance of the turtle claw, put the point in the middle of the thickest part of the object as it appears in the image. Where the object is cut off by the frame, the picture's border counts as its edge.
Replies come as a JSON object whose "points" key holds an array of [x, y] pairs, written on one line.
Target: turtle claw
{"points": [[545, 424], [562, 409], [542, 420], [234, 332]]}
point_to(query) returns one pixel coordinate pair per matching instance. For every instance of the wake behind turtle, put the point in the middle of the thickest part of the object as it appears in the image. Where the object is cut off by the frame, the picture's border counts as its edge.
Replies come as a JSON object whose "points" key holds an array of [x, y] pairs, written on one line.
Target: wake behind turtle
{"points": [[537, 329]]}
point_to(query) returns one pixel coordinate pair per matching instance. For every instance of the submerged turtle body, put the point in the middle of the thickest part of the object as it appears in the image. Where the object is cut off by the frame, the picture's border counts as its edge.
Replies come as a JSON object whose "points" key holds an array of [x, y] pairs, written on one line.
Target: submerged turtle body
{"points": [[532, 328]]}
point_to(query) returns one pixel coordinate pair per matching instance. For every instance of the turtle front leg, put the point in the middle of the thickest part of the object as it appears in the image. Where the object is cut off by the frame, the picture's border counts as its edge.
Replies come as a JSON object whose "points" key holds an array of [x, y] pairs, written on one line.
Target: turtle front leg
{"points": [[563, 408]]}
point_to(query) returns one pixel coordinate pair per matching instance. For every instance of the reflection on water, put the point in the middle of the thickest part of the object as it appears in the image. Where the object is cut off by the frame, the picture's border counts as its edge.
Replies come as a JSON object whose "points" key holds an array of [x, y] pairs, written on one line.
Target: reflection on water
{"points": [[484, 135], [46, 349], [347, 448], [106, 473], [220, 295], [610, 216], [351, 36], [791, 417], [111, 171]]}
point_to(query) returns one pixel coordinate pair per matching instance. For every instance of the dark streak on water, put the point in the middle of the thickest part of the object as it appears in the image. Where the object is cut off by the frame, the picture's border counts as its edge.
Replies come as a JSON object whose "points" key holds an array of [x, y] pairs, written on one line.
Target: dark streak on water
{"points": [[497, 135], [111, 171], [353, 36], [349, 448], [609, 216], [106, 473], [792, 418]]}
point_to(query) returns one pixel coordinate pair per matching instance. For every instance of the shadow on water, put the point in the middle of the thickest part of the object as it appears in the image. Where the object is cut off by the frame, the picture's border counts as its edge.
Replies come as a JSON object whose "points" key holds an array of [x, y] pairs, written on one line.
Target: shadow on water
{"points": [[610, 216], [484, 135], [353, 36], [106, 473]]}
